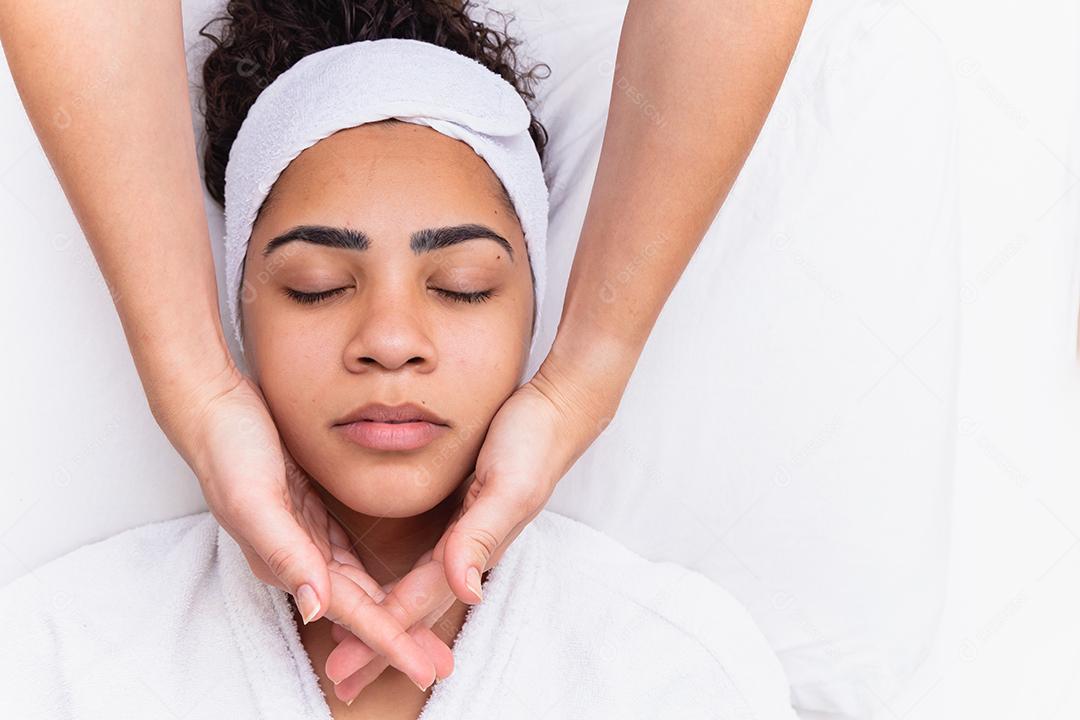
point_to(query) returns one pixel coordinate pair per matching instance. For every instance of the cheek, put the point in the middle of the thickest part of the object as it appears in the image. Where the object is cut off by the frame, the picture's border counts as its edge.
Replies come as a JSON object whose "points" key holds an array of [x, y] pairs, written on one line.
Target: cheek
{"points": [[290, 368], [484, 361], [479, 373], [282, 345]]}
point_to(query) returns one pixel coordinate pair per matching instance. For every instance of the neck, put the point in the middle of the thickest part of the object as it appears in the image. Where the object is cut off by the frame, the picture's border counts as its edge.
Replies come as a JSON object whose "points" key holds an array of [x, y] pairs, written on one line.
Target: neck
{"points": [[389, 547]]}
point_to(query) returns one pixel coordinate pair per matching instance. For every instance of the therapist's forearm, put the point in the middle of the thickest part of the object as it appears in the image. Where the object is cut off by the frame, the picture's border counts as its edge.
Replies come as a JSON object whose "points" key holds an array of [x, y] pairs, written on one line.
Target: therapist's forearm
{"points": [[693, 83], [105, 85]]}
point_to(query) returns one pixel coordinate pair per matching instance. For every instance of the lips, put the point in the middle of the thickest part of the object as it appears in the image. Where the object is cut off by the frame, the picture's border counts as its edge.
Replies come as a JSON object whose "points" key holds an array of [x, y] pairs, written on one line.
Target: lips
{"points": [[392, 428], [405, 413]]}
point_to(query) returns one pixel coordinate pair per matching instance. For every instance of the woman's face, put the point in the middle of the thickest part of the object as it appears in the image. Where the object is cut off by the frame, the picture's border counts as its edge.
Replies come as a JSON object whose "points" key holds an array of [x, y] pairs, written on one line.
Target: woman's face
{"points": [[394, 234]]}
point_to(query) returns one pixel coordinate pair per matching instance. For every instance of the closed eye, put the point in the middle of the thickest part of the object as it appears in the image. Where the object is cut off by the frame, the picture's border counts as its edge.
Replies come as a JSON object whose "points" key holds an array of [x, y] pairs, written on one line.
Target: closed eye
{"points": [[313, 298], [465, 297]]}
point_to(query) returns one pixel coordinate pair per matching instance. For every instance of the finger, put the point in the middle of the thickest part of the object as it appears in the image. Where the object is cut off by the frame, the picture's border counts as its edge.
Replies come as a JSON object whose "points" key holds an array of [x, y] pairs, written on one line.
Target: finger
{"points": [[369, 665], [348, 689], [348, 658], [354, 609], [338, 633], [351, 654], [494, 559], [290, 555], [436, 649], [420, 599], [410, 602], [492, 521], [258, 567], [440, 548], [358, 575], [416, 601], [435, 615], [338, 537], [418, 593]]}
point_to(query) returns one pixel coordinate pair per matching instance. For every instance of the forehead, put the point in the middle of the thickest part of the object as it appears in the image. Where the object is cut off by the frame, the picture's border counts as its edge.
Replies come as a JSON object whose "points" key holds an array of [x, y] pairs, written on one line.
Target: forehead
{"points": [[394, 171]]}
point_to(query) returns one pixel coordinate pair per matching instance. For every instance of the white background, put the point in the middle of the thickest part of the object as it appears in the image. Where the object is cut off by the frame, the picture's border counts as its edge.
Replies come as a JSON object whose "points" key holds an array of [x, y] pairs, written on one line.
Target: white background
{"points": [[1012, 626]]}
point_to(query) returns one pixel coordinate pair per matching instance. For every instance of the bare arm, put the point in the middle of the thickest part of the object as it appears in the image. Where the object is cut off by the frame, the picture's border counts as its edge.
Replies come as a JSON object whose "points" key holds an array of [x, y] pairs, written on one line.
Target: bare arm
{"points": [[711, 71], [105, 86]]}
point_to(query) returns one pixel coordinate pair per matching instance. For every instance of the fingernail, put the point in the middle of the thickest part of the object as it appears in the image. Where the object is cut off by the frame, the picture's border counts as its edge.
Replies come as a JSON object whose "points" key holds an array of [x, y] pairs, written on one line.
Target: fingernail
{"points": [[308, 602], [350, 702], [422, 688], [472, 581]]}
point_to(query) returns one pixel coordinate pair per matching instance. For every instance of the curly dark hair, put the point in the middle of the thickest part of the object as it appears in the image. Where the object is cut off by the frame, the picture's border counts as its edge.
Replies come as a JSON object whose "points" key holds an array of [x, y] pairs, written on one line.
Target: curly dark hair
{"points": [[263, 38]]}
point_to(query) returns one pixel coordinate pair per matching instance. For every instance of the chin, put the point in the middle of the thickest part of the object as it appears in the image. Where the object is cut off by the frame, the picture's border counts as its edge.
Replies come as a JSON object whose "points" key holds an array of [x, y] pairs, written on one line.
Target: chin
{"points": [[402, 510], [398, 493]]}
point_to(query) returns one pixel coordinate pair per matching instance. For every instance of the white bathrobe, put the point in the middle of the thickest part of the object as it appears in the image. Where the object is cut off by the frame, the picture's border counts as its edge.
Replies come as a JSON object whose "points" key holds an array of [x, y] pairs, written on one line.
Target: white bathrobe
{"points": [[167, 621]]}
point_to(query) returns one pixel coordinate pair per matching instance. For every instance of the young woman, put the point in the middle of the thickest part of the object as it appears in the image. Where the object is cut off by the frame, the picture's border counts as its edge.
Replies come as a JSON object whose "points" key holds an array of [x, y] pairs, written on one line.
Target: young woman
{"points": [[167, 299], [387, 312]]}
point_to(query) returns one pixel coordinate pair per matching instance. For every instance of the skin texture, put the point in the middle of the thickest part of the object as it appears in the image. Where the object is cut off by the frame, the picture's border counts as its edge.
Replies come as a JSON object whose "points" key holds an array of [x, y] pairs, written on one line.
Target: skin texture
{"points": [[70, 62], [388, 336]]}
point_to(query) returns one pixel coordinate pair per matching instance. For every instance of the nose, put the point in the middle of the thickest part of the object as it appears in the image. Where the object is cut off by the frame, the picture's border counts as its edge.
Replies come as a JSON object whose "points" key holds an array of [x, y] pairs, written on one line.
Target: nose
{"points": [[390, 333]]}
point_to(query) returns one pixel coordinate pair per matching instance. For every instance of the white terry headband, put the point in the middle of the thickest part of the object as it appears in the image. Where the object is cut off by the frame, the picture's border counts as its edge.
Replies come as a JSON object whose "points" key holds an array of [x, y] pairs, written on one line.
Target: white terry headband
{"points": [[371, 80]]}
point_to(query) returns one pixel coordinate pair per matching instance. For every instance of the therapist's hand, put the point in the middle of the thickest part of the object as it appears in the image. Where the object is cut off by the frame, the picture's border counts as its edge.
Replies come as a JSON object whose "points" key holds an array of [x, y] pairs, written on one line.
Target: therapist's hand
{"points": [[268, 504], [353, 664], [278, 521], [535, 437]]}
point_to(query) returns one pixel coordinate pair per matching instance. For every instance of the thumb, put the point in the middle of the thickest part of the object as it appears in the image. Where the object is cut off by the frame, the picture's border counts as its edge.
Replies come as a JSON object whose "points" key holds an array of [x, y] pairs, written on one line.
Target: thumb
{"points": [[291, 557], [481, 530]]}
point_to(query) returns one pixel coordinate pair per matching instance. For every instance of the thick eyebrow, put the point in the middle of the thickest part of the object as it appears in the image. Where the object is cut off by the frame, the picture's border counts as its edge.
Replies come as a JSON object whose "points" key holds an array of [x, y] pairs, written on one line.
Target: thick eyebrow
{"points": [[421, 241], [429, 239]]}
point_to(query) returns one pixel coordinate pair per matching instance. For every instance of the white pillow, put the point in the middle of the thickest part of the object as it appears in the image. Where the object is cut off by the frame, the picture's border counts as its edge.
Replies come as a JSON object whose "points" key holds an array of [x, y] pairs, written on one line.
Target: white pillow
{"points": [[790, 428]]}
